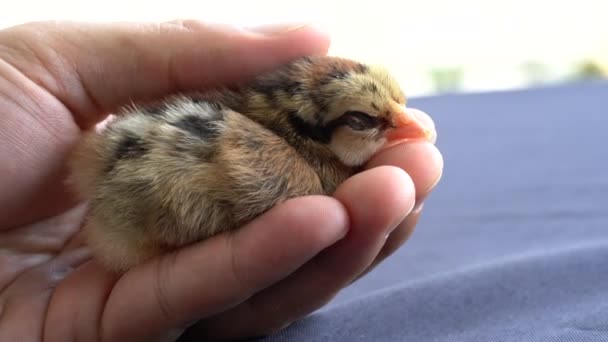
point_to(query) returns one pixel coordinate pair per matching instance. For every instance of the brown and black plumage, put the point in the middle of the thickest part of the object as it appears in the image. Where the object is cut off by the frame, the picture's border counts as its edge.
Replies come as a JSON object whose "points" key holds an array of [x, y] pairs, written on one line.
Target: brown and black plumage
{"points": [[165, 175]]}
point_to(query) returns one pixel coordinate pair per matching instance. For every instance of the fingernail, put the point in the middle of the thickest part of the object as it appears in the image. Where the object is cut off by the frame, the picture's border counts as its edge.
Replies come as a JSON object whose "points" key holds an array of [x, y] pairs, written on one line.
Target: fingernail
{"points": [[276, 29], [427, 120], [419, 204], [417, 207], [436, 182], [342, 235]]}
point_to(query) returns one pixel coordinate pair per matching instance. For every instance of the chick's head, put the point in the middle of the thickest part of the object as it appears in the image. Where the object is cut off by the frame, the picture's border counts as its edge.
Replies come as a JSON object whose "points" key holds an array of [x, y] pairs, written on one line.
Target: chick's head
{"points": [[355, 109]]}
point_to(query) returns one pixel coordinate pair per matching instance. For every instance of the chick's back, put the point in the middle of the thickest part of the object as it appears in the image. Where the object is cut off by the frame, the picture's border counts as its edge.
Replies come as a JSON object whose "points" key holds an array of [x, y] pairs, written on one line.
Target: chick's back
{"points": [[163, 176]]}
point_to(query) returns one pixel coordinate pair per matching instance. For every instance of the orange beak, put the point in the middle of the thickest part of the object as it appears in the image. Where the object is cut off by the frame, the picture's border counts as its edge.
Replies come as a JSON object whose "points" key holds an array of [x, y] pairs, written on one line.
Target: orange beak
{"points": [[407, 127]]}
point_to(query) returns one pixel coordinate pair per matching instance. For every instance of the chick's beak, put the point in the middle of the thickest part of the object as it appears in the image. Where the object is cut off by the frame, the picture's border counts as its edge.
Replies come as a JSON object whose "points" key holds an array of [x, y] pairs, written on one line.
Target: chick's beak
{"points": [[407, 127]]}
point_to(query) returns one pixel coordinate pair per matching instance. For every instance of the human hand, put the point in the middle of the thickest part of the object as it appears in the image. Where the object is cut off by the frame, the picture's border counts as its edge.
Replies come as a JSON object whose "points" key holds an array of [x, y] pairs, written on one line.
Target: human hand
{"points": [[57, 79]]}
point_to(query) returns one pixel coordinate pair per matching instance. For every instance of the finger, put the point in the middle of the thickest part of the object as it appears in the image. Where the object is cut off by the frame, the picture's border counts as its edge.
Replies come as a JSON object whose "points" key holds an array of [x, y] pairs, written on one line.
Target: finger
{"points": [[89, 287], [421, 160], [94, 68], [424, 163], [376, 200], [24, 302], [221, 272], [427, 121]]}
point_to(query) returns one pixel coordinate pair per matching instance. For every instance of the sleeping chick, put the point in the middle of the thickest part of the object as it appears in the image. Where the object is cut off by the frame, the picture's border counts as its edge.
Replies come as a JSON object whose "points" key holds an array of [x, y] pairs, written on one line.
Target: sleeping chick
{"points": [[165, 175]]}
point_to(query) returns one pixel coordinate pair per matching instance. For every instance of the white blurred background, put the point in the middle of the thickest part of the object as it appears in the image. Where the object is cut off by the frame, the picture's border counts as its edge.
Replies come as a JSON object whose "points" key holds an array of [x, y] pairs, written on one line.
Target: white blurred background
{"points": [[433, 46]]}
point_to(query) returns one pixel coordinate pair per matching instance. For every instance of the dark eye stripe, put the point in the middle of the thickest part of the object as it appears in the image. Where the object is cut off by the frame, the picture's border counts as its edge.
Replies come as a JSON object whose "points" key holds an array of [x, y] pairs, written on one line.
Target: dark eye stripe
{"points": [[359, 121], [322, 133]]}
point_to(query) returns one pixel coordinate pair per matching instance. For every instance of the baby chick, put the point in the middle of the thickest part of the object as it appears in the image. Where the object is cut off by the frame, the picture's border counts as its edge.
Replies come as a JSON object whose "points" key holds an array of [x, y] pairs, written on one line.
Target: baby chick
{"points": [[165, 175]]}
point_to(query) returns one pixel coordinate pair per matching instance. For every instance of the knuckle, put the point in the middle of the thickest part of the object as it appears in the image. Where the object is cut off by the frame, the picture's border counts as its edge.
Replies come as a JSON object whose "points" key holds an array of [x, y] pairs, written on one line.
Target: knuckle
{"points": [[235, 265], [162, 285]]}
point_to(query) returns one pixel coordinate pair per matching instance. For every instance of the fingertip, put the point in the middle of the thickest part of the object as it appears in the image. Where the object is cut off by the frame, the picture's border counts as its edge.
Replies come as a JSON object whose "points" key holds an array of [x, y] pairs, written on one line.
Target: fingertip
{"points": [[422, 161], [426, 119], [287, 45], [318, 37], [305, 36], [380, 197], [279, 241]]}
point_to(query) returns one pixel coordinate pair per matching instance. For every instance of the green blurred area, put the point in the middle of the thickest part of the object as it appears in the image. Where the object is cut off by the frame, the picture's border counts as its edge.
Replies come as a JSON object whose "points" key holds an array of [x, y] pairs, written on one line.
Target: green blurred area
{"points": [[589, 70], [533, 73]]}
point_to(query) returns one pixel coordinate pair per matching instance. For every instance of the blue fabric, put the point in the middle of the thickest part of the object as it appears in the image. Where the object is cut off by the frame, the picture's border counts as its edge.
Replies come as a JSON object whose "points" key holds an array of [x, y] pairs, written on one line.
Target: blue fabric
{"points": [[513, 244]]}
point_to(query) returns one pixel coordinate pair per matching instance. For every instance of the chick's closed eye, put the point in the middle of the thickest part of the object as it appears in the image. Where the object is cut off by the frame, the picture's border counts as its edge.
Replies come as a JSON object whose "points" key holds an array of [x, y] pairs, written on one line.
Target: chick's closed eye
{"points": [[206, 163], [360, 121]]}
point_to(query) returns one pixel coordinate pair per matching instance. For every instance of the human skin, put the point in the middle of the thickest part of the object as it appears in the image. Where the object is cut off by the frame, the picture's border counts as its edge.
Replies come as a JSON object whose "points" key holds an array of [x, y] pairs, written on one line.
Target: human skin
{"points": [[60, 78]]}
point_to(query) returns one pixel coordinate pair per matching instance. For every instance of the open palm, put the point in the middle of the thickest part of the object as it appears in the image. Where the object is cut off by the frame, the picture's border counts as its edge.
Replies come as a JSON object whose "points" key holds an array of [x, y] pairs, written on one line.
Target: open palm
{"points": [[57, 79]]}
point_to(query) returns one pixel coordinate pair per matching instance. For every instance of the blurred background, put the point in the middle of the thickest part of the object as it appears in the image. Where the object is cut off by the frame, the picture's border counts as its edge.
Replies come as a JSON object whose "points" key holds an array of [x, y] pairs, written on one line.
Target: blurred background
{"points": [[432, 46]]}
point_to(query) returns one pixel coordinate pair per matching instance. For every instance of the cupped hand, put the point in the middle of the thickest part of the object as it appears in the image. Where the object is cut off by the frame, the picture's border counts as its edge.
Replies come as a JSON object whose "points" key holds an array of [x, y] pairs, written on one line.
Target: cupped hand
{"points": [[58, 79]]}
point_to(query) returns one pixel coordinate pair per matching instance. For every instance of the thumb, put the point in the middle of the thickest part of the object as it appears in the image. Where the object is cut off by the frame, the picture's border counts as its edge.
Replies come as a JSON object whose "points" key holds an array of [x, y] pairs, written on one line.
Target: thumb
{"points": [[95, 68]]}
